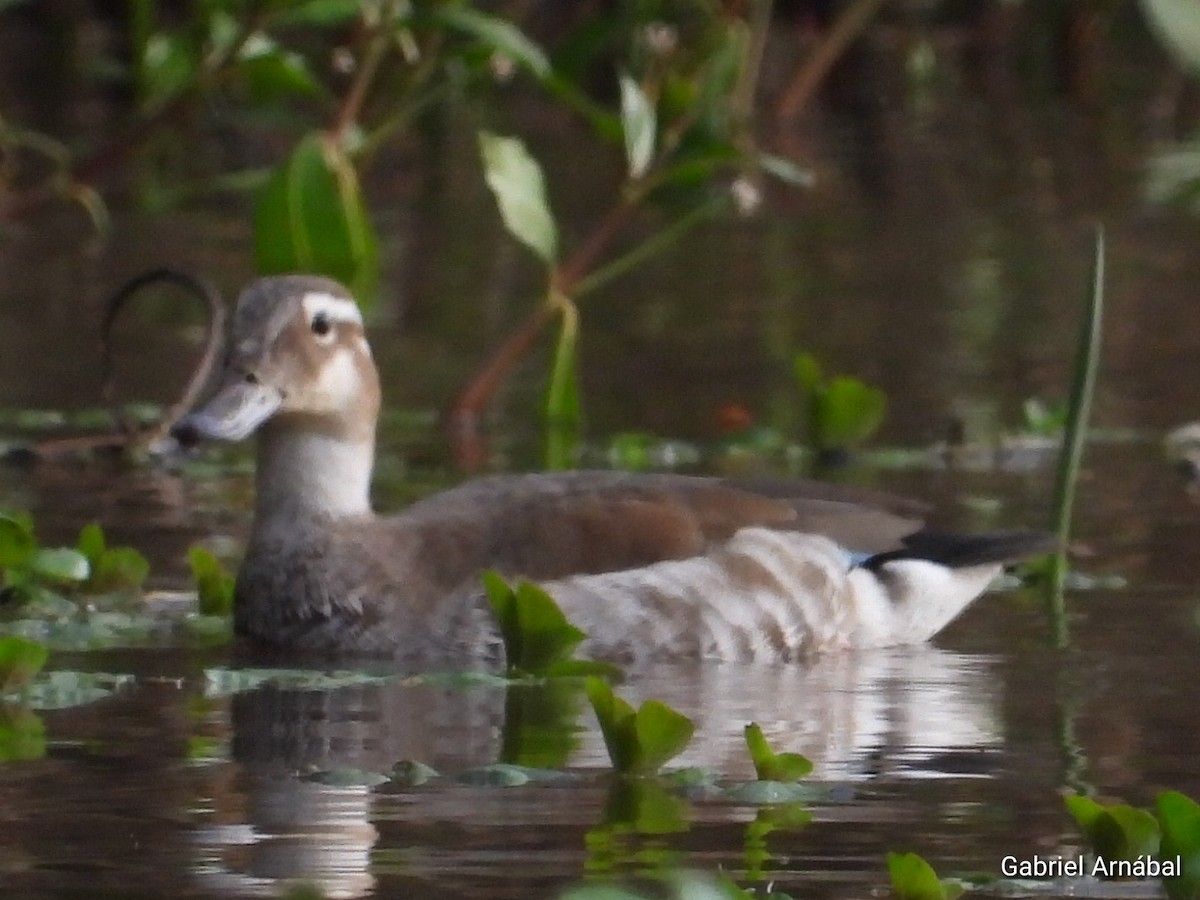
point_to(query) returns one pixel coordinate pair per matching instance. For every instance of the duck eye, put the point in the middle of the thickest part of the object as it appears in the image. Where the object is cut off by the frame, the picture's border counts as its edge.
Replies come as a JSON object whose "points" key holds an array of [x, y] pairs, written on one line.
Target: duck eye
{"points": [[320, 324]]}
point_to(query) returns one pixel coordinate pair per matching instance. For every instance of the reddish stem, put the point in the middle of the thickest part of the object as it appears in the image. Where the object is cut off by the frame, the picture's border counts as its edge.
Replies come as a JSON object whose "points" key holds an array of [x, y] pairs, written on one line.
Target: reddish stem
{"points": [[462, 419]]}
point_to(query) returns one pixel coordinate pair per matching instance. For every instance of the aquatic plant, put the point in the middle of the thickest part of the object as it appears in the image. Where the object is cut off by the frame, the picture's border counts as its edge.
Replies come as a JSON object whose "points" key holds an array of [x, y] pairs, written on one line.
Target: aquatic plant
{"points": [[641, 741], [112, 568], [20, 661], [772, 766], [914, 879], [538, 639], [91, 567], [30, 570], [1179, 819], [1083, 387], [841, 411], [214, 586], [1118, 832]]}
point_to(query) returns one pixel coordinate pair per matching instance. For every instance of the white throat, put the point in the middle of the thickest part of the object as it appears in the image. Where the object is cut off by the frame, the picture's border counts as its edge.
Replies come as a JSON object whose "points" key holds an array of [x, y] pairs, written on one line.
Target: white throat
{"points": [[303, 472]]}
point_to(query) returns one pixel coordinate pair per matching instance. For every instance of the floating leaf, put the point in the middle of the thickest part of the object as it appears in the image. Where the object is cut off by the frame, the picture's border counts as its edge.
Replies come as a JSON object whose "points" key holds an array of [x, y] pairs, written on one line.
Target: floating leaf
{"points": [[20, 660], [311, 217], [517, 183], [346, 777], [410, 772], [772, 766], [914, 879], [766, 792], [640, 125]]}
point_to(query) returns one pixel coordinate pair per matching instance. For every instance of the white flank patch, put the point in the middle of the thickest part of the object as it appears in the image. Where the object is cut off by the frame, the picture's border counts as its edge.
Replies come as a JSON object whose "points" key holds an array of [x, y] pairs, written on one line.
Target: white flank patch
{"points": [[337, 309]]}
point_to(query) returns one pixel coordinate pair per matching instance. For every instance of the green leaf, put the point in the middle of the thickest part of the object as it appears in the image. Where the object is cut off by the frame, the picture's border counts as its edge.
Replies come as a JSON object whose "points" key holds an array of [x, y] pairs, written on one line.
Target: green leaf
{"points": [[562, 395], [272, 74], [111, 569], [640, 742], [848, 411], [318, 12], [662, 734], [497, 35], [91, 542], [311, 218], [60, 564], [808, 371], [119, 567], [17, 542], [517, 183], [640, 124], [1180, 819], [169, 64], [536, 634], [22, 734], [772, 766], [914, 879], [617, 724], [1115, 832], [20, 660], [213, 584]]}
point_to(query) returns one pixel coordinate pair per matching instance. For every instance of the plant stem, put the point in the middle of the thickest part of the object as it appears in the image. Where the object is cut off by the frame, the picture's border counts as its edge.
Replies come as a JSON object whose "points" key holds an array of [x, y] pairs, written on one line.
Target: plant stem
{"points": [[1087, 360], [850, 24], [650, 247]]}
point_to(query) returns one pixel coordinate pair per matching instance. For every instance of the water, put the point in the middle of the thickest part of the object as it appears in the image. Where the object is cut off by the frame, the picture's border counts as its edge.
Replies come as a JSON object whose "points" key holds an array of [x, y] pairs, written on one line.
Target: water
{"points": [[946, 264]]}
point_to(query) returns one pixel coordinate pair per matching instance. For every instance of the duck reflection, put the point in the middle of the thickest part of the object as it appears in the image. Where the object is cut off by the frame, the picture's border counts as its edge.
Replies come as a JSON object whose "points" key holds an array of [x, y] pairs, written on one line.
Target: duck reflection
{"points": [[896, 713]]}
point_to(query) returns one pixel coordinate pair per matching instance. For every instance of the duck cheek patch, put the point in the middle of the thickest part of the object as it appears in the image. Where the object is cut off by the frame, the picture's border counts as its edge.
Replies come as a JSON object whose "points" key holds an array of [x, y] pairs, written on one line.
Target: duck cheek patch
{"points": [[339, 382]]}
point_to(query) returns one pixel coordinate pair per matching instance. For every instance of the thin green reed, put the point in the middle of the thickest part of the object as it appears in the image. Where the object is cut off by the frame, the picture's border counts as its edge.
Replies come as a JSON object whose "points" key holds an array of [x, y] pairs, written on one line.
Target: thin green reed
{"points": [[1087, 360]]}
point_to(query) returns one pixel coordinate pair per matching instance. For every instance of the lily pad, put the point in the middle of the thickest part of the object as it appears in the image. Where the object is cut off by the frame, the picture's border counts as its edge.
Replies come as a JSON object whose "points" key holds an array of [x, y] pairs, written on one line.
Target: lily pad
{"points": [[409, 772], [346, 777]]}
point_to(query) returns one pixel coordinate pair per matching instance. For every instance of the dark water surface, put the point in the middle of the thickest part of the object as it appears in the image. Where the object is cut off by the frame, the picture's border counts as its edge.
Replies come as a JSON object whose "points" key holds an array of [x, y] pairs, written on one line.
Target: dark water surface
{"points": [[951, 276]]}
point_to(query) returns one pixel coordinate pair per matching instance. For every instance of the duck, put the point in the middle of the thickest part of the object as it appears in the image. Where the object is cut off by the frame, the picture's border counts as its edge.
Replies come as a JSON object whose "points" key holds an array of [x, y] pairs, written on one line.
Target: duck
{"points": [[650, 566]]}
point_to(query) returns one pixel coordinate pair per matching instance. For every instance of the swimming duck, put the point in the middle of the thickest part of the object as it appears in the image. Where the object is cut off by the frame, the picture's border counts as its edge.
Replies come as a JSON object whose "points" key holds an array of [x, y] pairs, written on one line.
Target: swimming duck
{"points": [[650, 566]]}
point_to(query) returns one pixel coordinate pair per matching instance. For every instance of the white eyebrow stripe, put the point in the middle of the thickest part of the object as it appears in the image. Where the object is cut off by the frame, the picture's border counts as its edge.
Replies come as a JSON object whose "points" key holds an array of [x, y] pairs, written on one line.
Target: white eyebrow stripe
{"points": [[337, 309]]}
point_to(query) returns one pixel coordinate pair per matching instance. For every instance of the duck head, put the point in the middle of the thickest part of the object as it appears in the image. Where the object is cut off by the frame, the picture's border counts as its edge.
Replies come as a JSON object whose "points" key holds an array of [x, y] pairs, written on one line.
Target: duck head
{"points": [[299, 375]]}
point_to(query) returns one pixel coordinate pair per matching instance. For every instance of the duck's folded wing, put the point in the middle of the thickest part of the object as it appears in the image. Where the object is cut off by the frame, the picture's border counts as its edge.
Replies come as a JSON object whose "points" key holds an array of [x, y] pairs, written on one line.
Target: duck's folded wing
{"points": [[554, 525]]}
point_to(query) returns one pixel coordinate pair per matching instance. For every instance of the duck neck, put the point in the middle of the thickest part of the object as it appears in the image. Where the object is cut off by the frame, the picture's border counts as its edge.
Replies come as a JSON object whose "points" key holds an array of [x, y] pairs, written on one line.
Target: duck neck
{"points": [[307, 472]]}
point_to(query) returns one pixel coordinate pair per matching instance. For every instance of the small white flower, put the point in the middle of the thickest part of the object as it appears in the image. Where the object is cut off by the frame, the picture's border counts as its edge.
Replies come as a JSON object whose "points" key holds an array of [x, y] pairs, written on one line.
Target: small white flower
{"points": [[661, 38], [746, 195], [342, 61], [502, 67]]}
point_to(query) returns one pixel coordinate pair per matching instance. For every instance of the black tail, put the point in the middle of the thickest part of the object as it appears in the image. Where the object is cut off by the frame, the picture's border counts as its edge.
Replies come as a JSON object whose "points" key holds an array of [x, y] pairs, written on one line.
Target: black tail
{"points": [[961, 550]]}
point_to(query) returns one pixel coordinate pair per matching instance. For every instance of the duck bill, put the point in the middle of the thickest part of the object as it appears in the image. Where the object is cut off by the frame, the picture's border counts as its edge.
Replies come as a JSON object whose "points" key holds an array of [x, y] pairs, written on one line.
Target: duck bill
{"points": [[233, 414]]}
